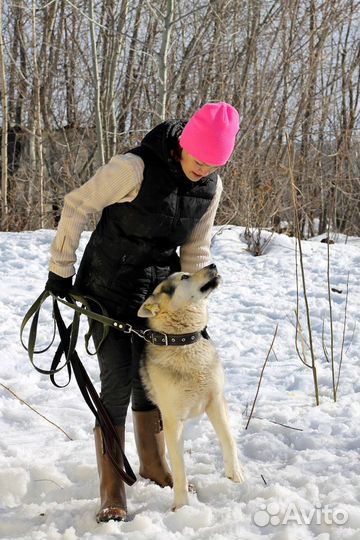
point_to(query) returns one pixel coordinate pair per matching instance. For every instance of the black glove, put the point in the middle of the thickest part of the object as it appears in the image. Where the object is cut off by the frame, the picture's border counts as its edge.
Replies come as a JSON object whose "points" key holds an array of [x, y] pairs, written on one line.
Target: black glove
{"points": [[60, 286]]}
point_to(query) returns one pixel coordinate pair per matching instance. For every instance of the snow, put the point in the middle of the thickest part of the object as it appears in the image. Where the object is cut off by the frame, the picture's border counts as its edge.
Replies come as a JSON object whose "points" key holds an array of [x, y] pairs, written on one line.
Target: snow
{"points": [[301, 483]]}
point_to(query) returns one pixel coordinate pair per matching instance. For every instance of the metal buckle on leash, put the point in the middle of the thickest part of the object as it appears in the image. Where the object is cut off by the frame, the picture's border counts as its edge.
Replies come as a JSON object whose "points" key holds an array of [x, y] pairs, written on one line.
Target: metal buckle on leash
{"points": [[140, 333], [128, 329]]}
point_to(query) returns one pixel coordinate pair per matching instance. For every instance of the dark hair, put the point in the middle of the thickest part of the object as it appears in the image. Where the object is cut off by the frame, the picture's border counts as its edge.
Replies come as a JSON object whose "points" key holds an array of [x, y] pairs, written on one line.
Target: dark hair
{"points": [[173, 139], [175, 149]]}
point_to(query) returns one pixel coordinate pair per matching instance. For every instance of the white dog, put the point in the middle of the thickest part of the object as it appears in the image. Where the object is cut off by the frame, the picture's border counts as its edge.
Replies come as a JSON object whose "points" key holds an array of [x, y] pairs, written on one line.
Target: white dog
{"points": [[186, 380]]}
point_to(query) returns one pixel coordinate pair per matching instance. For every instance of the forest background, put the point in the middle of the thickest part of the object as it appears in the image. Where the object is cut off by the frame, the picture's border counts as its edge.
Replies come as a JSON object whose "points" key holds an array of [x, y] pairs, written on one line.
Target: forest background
{"points": [[83, 80]]}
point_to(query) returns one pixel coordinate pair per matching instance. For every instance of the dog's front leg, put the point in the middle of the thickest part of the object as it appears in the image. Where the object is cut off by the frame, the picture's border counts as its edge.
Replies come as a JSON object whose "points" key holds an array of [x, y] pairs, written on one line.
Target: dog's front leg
{"points": [[173, 429], [217, 413]]}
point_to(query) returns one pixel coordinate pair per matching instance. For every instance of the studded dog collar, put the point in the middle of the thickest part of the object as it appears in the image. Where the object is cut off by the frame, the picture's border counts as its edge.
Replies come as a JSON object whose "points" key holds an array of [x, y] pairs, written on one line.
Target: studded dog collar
{"points": [[163, 339]]}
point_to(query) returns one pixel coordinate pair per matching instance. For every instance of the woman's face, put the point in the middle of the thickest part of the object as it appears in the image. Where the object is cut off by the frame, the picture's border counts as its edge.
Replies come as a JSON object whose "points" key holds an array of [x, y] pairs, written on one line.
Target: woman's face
{"points": [[193, 168]]}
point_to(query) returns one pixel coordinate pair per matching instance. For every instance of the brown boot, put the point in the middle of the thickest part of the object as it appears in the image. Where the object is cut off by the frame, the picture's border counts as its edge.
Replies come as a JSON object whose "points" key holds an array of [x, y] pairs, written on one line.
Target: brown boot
{"points": [[150, 444], [112, 489]]}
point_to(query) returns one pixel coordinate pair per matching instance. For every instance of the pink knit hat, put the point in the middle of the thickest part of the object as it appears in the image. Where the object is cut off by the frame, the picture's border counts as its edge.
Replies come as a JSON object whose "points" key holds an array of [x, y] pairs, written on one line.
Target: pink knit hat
{"points": [[209, 135]]}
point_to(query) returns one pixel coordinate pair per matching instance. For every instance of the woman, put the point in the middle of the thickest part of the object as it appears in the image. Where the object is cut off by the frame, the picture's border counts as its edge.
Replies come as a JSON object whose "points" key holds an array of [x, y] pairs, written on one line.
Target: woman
{"points": [[159, 196]]}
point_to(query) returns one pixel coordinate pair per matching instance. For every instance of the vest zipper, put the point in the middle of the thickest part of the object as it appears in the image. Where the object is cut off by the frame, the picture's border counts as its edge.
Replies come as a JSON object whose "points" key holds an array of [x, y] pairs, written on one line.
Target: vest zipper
{"points": [[177, 212]]}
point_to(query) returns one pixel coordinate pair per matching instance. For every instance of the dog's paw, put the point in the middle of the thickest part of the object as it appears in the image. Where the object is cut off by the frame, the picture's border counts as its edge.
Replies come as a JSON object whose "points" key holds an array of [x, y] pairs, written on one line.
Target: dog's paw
{"points": [[179, 502], [177, 507], [237, 476]]}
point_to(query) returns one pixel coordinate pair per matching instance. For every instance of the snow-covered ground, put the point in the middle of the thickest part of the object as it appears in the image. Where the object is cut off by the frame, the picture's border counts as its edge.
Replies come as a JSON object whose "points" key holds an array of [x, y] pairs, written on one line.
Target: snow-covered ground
{"points": [[302, 476]]}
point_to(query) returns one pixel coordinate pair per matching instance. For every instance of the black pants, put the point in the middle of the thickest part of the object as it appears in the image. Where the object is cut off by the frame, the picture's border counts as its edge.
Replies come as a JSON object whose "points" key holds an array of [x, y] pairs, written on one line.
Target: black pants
{"points": [[119, 358]]}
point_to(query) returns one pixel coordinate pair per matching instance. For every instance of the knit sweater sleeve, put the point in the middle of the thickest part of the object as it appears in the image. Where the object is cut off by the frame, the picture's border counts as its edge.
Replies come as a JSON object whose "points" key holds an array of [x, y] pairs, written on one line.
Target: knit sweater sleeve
{"points": [[117, 181], [195, 254]]}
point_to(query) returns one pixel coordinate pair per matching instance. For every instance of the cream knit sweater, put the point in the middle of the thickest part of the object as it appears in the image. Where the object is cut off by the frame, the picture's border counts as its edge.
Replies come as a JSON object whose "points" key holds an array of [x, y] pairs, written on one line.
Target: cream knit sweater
{"points": [[117, 182]]}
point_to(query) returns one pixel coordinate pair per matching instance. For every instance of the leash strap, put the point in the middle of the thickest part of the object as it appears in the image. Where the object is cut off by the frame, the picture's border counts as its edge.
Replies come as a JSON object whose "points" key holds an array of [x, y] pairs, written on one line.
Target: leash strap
{"points": [[151, 336], [93, 401], [33, 313], [68, 338]]}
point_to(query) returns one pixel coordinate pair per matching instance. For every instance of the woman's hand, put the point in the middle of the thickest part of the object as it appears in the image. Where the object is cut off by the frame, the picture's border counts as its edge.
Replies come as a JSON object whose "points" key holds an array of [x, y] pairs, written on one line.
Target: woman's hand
{"points": [[58, 285]]}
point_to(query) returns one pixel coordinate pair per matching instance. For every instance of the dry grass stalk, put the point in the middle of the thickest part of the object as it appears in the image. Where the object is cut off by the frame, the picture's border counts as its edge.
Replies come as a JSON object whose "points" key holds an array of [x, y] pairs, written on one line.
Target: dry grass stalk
{"points": [[295, 192], [261, 376], [34, 410]]}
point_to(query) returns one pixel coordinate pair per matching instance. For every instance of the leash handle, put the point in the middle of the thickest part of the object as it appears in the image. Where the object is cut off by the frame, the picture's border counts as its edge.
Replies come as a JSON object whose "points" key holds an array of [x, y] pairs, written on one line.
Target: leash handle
{"points": [[34, 312]]}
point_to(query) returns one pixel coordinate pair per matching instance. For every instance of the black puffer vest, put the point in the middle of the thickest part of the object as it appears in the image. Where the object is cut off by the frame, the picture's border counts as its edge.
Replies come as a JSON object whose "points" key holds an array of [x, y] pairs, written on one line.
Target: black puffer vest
{"points": [[134, 244]]}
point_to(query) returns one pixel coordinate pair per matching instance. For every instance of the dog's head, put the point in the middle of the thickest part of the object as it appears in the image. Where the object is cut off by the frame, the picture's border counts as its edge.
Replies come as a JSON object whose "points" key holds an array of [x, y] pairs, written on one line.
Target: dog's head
{"points": [[181, 292]]}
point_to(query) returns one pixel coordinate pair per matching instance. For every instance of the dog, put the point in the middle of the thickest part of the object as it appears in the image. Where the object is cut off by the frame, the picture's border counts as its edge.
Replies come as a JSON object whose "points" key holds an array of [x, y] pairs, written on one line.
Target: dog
{"points": [[186, 380]]}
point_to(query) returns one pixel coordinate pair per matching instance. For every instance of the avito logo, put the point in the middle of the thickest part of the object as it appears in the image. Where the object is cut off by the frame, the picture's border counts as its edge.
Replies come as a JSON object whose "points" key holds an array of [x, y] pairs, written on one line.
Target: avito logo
{"points": [[270, 515]]}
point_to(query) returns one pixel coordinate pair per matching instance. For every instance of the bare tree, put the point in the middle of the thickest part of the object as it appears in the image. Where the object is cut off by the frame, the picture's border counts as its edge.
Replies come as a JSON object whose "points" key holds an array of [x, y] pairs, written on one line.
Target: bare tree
{"points": [[4, 131], [96, 79], [37, 131], [163, 60]]}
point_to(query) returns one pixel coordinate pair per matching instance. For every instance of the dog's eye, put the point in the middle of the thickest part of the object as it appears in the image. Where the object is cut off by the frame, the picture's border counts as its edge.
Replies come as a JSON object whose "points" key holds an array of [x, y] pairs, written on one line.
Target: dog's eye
{"points": [[184, 277]]}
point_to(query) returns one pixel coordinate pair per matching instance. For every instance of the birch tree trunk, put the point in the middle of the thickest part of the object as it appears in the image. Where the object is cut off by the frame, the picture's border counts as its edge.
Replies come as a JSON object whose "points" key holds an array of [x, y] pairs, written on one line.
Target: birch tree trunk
{"points": [[37, 123], [110, 71], [163, 61], [4, 131], [96, 79], [131, 74], [69, 23]]}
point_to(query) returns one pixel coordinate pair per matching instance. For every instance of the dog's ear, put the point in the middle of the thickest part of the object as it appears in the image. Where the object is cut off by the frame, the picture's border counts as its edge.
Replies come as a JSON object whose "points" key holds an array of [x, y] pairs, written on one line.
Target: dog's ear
{"points": [[150, 307]]}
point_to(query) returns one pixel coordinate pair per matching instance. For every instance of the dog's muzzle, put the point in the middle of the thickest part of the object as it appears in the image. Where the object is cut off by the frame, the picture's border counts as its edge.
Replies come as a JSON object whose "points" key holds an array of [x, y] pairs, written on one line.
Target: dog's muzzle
{"points": [[214, 278]]}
